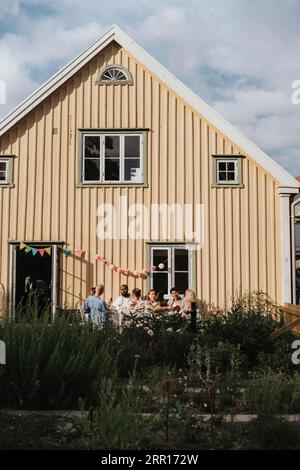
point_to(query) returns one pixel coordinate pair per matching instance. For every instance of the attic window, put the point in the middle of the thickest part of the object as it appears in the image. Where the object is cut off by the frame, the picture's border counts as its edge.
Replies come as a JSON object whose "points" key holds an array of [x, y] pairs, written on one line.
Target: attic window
{"points": [[115, 75], [227, 171]]}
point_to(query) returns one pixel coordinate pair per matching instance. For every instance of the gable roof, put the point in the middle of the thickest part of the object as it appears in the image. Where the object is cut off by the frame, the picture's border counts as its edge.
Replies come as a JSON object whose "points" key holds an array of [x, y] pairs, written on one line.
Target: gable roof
{"points": [[114, 33]]}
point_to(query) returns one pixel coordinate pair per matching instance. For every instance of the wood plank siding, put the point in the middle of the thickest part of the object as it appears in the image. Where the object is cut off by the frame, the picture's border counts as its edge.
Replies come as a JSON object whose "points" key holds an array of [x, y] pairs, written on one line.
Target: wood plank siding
{"points": [[242, 246]]}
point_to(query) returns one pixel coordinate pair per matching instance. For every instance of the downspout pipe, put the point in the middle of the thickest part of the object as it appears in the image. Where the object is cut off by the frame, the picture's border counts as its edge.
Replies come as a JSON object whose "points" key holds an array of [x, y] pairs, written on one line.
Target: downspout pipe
{"points": [[295, 203]]}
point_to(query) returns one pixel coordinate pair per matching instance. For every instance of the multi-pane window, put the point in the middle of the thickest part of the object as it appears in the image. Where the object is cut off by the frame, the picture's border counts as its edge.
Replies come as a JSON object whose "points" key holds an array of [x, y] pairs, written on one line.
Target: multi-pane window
{"points": [[115, 75], [112, 158], [3, 171], [227, 171], [177, 270]]}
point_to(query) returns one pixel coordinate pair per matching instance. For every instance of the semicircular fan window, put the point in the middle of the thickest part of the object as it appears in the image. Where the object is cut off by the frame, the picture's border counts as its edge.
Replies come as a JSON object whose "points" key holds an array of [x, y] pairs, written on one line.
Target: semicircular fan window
{"points": [[113, 74]]}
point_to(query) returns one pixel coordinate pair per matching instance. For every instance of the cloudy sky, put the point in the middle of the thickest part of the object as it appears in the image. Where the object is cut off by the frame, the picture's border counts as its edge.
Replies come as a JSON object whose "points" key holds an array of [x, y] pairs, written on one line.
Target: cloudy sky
{"points": [[241, 57]]}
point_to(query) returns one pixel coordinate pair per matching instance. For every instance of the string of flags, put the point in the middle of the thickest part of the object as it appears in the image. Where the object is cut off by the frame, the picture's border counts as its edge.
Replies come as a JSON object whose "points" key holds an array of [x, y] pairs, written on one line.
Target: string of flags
{"points": [[144, 273], [35, 251]]}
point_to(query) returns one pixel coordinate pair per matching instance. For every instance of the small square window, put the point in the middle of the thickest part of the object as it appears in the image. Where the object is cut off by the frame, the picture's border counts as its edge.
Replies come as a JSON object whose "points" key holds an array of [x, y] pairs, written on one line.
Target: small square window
{"points": [[5, 170], [227, 171]]}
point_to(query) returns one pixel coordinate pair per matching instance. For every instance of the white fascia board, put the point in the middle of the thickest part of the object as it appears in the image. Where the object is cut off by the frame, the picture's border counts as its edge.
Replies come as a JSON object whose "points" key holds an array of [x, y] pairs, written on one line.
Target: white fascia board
{"points": [[55, 82], [262, 159], [115, 33]]}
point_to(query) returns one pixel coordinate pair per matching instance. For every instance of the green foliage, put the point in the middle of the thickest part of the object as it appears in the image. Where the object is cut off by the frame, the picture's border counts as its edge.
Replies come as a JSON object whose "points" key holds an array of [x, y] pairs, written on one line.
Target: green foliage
{"points": [[275, 433], [53, 365], [167, 344], [247, 326], [273, 393], [117, 422]]}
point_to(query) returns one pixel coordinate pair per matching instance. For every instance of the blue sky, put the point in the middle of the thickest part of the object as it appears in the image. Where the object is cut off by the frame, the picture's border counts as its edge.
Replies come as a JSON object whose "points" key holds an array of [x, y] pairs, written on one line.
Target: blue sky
{"points": [[241, 57]]}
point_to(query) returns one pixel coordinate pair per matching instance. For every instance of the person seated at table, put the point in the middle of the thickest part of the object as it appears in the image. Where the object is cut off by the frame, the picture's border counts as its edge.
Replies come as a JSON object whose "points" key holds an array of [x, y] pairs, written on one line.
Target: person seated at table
{"points": [[163, 303], [190, 306], [153, 304], [136, 303], [176, 302], [123, 299]]}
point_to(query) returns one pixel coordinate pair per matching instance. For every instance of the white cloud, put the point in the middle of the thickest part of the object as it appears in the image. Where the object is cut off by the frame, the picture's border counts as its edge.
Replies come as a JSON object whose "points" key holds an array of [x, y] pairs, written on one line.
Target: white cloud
{"points": [[43, 47], [9, 7], [241, 56]]}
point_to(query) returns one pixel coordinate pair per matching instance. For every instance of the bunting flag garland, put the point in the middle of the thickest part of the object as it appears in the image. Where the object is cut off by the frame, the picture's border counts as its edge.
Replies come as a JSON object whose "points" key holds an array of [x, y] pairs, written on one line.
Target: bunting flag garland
{"points": [[143, 274], [35, 251], [79, 253]]}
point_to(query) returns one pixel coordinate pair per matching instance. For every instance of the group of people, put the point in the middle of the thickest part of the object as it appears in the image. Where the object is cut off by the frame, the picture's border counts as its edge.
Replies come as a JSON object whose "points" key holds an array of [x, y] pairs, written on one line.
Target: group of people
{"points": [[96, 309]]}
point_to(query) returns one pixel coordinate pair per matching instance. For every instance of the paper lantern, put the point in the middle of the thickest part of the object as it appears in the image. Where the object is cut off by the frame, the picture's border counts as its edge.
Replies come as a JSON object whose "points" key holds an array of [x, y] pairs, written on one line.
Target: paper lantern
{"points": [[145, 271], [119, 270], [127, 272], [153, 268], [111, 266], [135, 273], [161, 266], [143, 276], [97, 257]]}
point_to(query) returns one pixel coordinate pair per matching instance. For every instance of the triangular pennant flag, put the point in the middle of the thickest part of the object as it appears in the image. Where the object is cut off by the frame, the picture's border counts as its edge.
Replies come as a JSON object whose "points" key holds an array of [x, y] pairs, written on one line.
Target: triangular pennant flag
{"points": [[41, 251], [79, 253], [66, 252], [22, 246], [34, 251], [28, 249], [48, 250]]}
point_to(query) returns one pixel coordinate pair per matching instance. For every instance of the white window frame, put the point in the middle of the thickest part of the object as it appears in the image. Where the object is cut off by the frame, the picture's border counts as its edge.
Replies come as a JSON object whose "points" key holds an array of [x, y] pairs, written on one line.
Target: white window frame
{"points": [[236, 171], [171, 264], [121, 136], [6, 161]]}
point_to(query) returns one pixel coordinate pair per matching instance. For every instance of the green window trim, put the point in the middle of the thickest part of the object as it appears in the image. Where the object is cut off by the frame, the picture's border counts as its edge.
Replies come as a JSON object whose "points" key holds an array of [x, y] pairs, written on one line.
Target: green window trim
{"points": [[192, 255], [143, 132], [238, 159], [9, 161]]}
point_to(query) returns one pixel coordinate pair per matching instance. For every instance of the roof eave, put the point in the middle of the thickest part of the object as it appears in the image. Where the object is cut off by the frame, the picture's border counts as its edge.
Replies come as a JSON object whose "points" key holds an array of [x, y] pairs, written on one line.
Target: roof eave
{"points": [[115, 33]]}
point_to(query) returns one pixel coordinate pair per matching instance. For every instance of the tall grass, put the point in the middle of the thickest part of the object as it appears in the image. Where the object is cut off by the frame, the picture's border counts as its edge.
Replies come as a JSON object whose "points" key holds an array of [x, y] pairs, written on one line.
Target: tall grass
{"points": [[54, 365]]}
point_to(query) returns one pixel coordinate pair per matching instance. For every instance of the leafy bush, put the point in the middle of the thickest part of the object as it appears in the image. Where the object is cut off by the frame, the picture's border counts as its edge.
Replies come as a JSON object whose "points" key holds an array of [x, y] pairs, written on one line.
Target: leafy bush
{"points": [[247, 326], [273, 393]]}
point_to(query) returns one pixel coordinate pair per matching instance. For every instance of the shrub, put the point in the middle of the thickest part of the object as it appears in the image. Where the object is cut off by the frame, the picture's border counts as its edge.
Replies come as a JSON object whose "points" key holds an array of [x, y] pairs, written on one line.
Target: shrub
{"points": [[117, 422], [273, 393], [275, 433], [53, 365], [248, 326]]}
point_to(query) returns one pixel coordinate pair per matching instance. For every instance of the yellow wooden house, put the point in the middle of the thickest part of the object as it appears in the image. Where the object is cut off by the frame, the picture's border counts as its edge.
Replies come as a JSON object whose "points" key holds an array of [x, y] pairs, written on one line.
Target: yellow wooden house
{"points": [[113, 171]]}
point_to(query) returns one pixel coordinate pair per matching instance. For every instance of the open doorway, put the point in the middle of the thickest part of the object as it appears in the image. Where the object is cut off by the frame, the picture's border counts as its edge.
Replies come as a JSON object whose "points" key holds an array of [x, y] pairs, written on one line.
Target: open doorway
{"points": [[30, 272], [33, 276]]}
